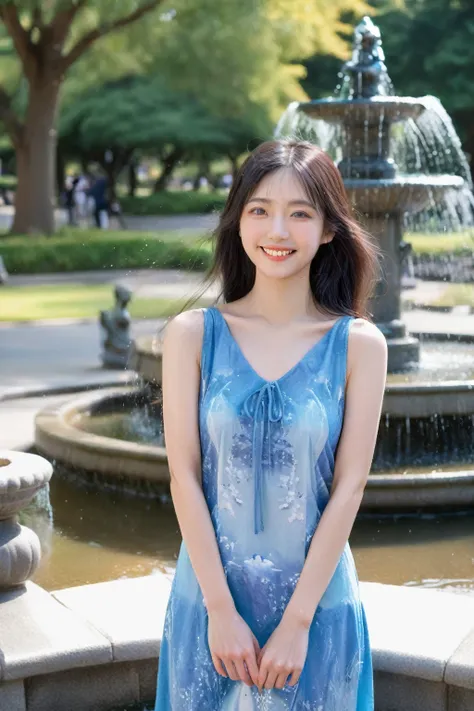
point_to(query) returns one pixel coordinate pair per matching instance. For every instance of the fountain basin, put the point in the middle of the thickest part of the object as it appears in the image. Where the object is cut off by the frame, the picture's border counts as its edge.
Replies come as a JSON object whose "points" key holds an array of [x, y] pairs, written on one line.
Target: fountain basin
{"points": [[425, 399], [367, 111], [400, 194], [142, 469], [111, 463], [414, 394]]}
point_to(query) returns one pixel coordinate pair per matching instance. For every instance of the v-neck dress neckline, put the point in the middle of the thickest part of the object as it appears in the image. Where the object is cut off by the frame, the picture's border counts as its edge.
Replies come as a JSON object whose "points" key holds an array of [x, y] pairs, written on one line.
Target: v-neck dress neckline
{"points": [[296, 366]]}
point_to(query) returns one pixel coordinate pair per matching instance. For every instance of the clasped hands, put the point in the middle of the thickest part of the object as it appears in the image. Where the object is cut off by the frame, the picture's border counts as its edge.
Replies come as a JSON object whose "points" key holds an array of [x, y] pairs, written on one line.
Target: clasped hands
{"points": [[236, 653]]}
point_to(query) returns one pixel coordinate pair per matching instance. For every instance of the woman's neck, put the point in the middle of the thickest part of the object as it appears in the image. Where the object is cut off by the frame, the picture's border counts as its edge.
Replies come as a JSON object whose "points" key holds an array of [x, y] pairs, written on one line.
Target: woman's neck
{"points": [[280, 301]]}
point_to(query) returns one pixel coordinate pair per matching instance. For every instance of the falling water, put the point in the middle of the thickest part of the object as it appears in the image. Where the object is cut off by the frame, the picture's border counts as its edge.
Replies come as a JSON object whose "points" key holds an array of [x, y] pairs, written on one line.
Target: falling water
{"points": [[295, 124], [427, 145]]}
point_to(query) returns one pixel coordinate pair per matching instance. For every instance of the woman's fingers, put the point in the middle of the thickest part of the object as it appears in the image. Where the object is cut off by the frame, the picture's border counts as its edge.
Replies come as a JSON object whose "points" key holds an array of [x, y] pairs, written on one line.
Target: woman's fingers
{"points": [[271, 679], [218, 666], [281, 680], [231, 670], [242, 672], [252, 667], [262, 676], [295, 677]]}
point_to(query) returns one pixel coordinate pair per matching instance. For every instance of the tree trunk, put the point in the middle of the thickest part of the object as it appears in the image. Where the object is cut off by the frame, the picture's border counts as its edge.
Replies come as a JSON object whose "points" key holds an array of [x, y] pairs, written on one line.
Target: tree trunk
{"points": [[60, 172], [169, 164], [113, 168], [132, 178], [234, 163], [36, 158]]}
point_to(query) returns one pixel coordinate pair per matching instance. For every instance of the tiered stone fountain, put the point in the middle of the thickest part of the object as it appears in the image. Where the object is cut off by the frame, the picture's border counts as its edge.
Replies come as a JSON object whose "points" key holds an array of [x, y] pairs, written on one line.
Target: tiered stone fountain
{"points": [[428, 412], [380, 195]]}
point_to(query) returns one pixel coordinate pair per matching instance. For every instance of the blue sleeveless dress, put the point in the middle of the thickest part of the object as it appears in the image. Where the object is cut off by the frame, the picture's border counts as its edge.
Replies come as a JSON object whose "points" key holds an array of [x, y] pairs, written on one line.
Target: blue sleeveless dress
{"points": [[268, 450]]}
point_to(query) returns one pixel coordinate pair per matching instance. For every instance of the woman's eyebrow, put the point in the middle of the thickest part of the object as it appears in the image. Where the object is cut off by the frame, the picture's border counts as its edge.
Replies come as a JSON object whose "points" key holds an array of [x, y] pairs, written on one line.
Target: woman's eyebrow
{"points": [[290, 202]]}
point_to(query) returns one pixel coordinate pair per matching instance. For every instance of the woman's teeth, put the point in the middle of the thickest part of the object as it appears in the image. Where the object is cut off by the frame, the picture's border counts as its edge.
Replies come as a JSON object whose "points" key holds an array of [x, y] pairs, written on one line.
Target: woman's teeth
{"points": [[277, 252]]}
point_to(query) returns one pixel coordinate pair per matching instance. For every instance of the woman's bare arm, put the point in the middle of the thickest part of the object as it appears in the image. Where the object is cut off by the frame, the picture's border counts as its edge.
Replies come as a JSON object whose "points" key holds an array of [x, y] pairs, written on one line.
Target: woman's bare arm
{"points": [[181, 378], [367, 367], [285, 652], [229, 637]]}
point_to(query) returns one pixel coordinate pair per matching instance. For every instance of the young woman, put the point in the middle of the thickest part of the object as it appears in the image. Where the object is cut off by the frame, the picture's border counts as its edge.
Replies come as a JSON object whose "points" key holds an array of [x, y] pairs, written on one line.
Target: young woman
{"points": [[271, 409]]}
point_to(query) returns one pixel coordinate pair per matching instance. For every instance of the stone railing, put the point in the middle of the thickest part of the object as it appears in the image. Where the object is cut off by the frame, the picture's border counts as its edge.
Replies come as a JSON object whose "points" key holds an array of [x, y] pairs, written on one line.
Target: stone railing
{"points": [[96, 647]]}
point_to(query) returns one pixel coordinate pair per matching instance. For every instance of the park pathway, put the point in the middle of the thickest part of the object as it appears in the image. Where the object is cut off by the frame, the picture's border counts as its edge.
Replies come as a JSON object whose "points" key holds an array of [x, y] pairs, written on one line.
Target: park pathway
{"points": [[148, 223]]}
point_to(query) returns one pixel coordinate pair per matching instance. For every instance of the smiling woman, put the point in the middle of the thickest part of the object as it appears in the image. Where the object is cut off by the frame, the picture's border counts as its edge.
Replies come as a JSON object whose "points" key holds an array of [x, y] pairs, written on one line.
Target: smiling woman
{"points": [[271, 403]]}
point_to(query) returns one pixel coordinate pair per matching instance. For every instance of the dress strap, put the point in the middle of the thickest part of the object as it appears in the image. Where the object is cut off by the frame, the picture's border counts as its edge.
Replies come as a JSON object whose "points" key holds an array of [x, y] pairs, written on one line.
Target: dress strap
{"points": [[335, 356], [208, 348]]}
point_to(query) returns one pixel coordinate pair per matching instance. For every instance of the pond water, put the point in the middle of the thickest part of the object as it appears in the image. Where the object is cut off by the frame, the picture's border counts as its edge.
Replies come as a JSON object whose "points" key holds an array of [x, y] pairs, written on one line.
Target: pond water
{"points": [[94, 537]]}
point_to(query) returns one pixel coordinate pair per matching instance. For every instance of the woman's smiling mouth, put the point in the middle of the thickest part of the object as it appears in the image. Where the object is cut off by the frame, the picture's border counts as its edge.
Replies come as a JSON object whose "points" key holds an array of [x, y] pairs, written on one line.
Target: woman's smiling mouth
{"points": [[277, 254]]}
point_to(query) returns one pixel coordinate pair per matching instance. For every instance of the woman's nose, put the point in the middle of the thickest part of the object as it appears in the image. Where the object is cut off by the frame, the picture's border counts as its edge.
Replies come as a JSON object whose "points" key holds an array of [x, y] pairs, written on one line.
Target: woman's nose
{"points": [[279, 229]]}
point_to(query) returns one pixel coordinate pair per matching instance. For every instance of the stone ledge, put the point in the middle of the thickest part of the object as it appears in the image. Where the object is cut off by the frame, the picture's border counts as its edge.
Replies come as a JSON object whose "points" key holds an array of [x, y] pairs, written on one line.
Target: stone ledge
{"points": [[95, 688], [416, 632], [94, 647], [397, 692], [134, 635], [12, 696], [40, 635], [460, 668]]}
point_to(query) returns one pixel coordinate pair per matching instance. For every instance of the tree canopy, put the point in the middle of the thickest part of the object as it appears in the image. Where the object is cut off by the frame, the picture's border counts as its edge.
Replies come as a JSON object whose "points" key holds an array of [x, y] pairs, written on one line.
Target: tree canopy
{"points": [[230, 60], [40, 43]]}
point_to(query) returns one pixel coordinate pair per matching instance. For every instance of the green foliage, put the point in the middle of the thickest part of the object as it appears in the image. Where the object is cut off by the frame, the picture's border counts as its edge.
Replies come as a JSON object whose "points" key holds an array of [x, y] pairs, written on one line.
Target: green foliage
{"points": [[79, 251], [432, 245], [237, 54], [143, 113], [173, 203], [7, 181], [430, 49]]}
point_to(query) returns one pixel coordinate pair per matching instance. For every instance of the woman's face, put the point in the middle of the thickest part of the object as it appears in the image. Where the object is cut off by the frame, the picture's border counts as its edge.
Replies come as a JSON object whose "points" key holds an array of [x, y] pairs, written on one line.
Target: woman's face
{"points": [[280, 229]]}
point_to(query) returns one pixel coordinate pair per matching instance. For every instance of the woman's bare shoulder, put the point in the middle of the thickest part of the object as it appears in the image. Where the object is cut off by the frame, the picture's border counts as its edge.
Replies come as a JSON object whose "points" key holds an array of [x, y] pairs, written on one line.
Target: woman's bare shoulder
{"points": [[185, 329], [366, 338]]}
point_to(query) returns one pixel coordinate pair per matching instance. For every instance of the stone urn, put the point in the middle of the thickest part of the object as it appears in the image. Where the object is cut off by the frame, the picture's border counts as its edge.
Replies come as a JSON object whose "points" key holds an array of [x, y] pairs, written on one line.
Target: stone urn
{"points": [[21, 477]]}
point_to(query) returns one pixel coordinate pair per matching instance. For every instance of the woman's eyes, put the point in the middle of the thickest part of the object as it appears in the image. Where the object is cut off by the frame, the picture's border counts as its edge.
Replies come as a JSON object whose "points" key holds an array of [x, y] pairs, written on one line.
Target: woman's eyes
{"points": [[260, 211]]}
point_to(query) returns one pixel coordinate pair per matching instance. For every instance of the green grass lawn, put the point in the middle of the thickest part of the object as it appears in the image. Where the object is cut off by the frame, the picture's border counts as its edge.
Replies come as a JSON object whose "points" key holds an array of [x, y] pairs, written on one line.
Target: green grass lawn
{"points": [[441, 243], [23, 303], [456, 295], [84, 234]]}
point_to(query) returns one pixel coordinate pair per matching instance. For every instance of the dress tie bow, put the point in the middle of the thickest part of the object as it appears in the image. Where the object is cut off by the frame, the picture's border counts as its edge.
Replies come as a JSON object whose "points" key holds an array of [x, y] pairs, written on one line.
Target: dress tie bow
{"points": [[265, 406]]}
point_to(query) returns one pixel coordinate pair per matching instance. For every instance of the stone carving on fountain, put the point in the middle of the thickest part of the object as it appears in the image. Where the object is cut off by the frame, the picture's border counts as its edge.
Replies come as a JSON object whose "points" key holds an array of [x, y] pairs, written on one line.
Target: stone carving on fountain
{"points": [[22, 475], [378, 192], [115, 329]]}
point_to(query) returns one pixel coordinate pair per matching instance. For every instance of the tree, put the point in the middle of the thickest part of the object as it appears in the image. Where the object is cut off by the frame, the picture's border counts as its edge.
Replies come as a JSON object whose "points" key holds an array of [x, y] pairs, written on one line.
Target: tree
{"points": [[230, 56], [240, 51], [437, 38], [47, 39], [108, 123]]}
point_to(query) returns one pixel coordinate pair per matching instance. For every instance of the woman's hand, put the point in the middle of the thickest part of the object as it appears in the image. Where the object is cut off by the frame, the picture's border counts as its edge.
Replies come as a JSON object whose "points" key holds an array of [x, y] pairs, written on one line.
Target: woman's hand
{"points": [[234, 648], [284, 654]]}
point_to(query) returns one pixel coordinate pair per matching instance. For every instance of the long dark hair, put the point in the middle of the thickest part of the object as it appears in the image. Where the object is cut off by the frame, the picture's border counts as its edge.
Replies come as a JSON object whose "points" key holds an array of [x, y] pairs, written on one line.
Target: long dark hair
{"points": [[343, 271]]}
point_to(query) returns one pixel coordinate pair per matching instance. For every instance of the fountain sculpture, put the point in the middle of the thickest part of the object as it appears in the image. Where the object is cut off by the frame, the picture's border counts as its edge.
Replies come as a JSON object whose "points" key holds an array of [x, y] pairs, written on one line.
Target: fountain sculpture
{"points": [[115, 327], [379, 193]]}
